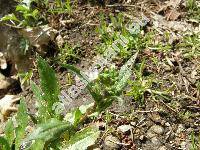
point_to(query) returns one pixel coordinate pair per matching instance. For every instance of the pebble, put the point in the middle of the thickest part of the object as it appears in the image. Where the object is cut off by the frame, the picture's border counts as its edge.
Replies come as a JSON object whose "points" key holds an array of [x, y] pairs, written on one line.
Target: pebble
{"points": [[124, 128], [167, 124], [155, 141], [142, 137], [162, 148], [180, 129], [110, 142], [157, 129]]}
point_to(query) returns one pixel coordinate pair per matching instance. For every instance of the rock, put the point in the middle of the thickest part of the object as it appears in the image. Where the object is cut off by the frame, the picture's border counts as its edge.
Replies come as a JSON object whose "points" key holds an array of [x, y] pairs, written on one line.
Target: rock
{"points": [[155, 141], [162, 148], [180, 129], [142, 137], [150, 134], [185, 145], [111, 142], [155, 117], [124, 128], [157, 129], [133, 123], [167, 124]]}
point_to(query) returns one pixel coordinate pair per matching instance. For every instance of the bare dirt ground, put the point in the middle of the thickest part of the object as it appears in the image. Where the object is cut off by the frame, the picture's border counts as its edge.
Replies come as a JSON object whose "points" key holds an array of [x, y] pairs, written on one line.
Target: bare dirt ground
{"points": [[169, 122]]}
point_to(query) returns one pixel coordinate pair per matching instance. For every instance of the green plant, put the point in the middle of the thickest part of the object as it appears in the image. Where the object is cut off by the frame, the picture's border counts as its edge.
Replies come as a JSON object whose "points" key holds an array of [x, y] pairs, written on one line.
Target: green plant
{"points": [[191, 4], [26, 15], [14, 135], [112, 33], [195, 141], [193, 10], [67, 54], [60, 7], [190, 46], [54, 130], [143, 84]]}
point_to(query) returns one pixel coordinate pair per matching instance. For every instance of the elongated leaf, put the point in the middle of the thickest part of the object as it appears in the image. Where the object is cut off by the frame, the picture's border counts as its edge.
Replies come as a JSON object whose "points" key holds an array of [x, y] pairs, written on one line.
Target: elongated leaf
{"points": [[83, 139], [22, 120], [125, 73], [4, 144], [22, 115], [90, 86], [43, 114], [37, 91], [49, 83], [9, 17], [38, 145], [9, 132], [22, 8], [50, 130], [73, 117]]}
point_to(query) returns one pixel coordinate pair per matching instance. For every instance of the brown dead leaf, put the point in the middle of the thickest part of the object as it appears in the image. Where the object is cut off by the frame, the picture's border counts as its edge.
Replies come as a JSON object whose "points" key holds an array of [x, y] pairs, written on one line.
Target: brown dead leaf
{"points": [[3, 64], [172, 15], [174, 3], [39, 36], [7, 105]]}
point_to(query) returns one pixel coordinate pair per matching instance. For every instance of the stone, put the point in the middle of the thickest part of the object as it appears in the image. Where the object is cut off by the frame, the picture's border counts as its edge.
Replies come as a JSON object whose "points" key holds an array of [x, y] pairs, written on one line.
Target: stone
{"points": [[157, 129], [124, 128], [150, 134], [111, 142], [162, 148], [155, 141]]}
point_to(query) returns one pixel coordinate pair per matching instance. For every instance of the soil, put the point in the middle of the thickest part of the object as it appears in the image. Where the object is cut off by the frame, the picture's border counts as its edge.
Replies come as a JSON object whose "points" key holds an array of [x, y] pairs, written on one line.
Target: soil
{"points": [[169, 116]]}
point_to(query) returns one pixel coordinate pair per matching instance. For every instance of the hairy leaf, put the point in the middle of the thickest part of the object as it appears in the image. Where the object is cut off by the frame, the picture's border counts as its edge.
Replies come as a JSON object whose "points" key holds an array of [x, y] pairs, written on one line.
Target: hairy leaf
{"points": [[49, 84], [83, 139], [43, 114], [50, 130], [10, 132], [4, 144], [38, 145], [22, 120], [90, 86]]}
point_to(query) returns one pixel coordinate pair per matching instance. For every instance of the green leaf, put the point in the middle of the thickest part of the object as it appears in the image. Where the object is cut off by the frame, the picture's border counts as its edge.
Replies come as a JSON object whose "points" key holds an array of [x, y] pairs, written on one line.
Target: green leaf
{"points": [[74, 117], [43, 114], [38, 145], [125, 73], [49, 84], [22, 8], [83, 139], [90, 86], [22, 115], [9, 132], [22, 120], [4, 144], [37, 91], [50, 130], [9, 17]]}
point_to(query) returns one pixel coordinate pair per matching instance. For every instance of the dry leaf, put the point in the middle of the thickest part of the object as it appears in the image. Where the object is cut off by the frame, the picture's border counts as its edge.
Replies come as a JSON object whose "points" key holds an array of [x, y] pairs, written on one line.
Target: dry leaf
{"points": [[7, 105], [172, 15], [3, 64], [39, 36]]}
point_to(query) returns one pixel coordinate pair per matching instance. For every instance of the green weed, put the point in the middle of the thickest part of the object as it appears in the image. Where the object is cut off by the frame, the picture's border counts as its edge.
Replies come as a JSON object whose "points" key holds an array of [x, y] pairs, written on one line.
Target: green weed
{"points": [[25, 16], [190, 46], [68, 54], [193, 10]]}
